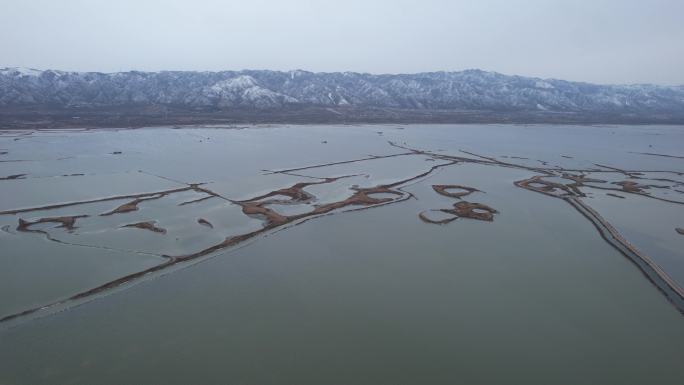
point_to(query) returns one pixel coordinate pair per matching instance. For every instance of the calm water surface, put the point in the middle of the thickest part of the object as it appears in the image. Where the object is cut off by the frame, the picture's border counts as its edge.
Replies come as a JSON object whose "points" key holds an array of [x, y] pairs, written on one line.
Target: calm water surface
{"points": [[372, 296]]}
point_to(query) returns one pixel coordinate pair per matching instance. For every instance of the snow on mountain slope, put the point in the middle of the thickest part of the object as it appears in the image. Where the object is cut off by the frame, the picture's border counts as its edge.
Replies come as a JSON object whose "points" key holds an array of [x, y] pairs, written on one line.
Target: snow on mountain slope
{"points": [[466, 90]]}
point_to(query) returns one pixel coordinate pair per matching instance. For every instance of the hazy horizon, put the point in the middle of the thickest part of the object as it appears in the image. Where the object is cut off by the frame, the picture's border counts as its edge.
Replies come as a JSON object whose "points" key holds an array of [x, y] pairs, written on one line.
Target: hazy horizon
{"points": [[606, 42]]}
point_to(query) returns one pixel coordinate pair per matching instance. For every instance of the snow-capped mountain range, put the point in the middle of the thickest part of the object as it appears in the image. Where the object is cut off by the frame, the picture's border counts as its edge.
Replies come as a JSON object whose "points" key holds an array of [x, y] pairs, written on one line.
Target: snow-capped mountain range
{"points": [[465, 90]]}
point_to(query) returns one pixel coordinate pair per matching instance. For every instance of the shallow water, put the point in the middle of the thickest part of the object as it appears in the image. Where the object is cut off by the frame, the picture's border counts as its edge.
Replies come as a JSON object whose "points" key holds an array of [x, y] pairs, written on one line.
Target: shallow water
{"points": [[366, 293]]}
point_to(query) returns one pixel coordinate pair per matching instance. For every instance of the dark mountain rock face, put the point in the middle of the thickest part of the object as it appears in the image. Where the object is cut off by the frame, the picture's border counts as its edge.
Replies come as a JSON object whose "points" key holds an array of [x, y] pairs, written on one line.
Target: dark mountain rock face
{"points": [[471, 90]]}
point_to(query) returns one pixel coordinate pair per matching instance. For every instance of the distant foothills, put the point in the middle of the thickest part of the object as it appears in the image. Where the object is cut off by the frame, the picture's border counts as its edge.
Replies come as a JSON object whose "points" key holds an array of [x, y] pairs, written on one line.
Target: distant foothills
{"points": [[53, 99]]}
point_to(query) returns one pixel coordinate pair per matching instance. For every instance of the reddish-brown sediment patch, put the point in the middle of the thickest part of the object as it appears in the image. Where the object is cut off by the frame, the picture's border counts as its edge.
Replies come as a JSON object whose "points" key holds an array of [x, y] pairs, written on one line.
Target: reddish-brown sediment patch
{"points": [[259, 205], [445, 189], [205, 222], [571, 194], [580, 179], [462, 209], [131, 206], [423, 217], [295, 193], [112, 198], [363, 197], [651, 270], [470, 210], [150, 225], [258, 208], [559, 190], [680, 230], [631, 187], [67, 222], [539, 184], [196, 200]]}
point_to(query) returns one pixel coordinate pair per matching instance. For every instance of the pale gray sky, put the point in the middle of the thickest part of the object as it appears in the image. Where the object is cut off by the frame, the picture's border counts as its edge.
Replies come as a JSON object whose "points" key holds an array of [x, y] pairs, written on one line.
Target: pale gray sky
{"points": [[605, 41]]}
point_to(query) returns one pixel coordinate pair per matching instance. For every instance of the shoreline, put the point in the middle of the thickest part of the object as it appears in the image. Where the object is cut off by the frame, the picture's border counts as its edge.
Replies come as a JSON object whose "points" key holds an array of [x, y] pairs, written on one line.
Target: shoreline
{"points": [[138, 116], [256, 125]]}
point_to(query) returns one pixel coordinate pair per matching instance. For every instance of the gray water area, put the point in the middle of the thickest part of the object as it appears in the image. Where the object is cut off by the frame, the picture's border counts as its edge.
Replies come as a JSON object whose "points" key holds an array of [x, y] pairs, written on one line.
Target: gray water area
{"points": [[470, 302], [36, 192], [617, 146], [35, 271], [363, 294], [653, 232]]}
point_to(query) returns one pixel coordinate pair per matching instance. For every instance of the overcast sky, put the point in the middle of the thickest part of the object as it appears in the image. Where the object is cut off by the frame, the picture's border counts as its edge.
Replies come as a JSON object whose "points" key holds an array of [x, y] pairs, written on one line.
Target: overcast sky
{"points": [[604, 41]]}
